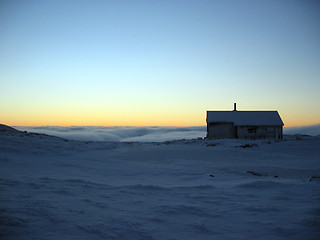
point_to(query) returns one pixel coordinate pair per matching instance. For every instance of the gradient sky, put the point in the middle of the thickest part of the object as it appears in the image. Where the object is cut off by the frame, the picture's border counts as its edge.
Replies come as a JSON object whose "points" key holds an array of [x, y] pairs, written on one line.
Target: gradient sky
{"points": [[157, 63]]}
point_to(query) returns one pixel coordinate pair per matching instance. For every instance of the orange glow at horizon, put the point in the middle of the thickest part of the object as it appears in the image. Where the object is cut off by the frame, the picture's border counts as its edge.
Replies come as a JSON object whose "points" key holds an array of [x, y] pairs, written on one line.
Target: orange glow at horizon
{"points": [[137, 120], [130, 119], [122, 115]]}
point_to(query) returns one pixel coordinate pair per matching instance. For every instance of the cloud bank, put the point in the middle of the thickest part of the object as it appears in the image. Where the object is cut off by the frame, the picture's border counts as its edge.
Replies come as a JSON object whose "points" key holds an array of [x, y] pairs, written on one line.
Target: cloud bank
{"points": [[312, 130], [121, 134], [142, 134]]}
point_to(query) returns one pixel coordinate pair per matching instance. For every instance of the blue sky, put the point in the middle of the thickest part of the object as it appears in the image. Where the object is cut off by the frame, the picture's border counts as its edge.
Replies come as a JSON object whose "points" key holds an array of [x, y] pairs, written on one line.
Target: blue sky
{"points": [[155, 63]]}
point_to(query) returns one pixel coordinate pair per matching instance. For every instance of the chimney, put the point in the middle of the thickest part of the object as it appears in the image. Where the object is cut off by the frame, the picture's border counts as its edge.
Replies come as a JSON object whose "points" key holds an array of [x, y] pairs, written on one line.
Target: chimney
{"points": [[234, 107]]}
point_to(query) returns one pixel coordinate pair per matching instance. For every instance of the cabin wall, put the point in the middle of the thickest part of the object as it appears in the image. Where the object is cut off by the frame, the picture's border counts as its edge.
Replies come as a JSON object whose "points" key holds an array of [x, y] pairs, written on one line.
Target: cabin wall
{"points": [[228, 130], [259, 132], [221, 130]]}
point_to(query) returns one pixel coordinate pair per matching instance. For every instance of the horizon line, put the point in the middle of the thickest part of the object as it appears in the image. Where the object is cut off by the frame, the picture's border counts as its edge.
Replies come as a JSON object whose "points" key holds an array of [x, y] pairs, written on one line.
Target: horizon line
{"points": [[139, 125]]}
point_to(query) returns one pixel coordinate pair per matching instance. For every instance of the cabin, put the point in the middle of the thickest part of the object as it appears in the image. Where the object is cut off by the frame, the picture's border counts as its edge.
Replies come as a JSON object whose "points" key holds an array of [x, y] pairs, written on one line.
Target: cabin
{"points": [[244, 124]]}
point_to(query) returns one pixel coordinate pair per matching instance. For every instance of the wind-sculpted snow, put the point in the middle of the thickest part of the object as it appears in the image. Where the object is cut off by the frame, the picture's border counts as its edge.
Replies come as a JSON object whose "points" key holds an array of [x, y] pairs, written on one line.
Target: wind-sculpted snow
{"points": [[53, 188], [262, 184]]}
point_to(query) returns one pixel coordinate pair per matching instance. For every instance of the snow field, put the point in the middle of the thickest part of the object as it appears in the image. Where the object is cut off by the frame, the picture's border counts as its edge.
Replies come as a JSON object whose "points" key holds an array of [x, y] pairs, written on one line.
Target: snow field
{"points": [[53, 188]]}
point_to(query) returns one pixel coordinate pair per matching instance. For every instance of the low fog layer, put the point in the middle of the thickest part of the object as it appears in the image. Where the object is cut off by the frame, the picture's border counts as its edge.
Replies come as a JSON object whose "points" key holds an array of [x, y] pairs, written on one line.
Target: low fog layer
{"points": [[142, 134], [121, 134], [312, 130]]}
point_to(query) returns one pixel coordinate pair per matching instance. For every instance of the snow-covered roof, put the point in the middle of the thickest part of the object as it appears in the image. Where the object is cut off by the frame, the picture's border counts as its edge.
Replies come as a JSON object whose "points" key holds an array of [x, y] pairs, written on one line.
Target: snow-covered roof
{"points": [[246, 118]]}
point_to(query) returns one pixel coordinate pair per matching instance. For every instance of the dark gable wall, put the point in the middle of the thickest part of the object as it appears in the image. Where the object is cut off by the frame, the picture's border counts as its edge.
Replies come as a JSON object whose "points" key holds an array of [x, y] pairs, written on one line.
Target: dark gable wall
{"points": [[221, 130]]}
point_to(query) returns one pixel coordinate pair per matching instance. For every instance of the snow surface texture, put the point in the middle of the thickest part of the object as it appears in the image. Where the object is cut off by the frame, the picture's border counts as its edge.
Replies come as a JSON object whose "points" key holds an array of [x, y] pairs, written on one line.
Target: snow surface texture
{"points": [[142, 134], [52, 188]]}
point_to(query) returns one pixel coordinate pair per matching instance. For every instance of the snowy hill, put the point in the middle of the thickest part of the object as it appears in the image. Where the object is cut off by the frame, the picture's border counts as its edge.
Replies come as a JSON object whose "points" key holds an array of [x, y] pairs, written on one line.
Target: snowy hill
{"points": [[7, 129], [53, 188]]}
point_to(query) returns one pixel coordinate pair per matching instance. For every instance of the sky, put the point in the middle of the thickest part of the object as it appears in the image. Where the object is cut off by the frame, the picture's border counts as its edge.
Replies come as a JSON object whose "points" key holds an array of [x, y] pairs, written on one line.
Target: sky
{"points": [[157, 63]]}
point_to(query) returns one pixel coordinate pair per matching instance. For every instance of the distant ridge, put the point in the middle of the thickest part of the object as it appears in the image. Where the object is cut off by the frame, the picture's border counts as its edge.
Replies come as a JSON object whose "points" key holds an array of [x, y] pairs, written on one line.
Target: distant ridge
{"points": [[5, 128], [12, 132]]}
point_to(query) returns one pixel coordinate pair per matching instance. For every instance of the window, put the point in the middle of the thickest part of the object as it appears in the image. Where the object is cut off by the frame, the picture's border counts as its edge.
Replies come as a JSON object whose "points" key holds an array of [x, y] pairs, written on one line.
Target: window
{"points": [[271, 130], [251, 130]]}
